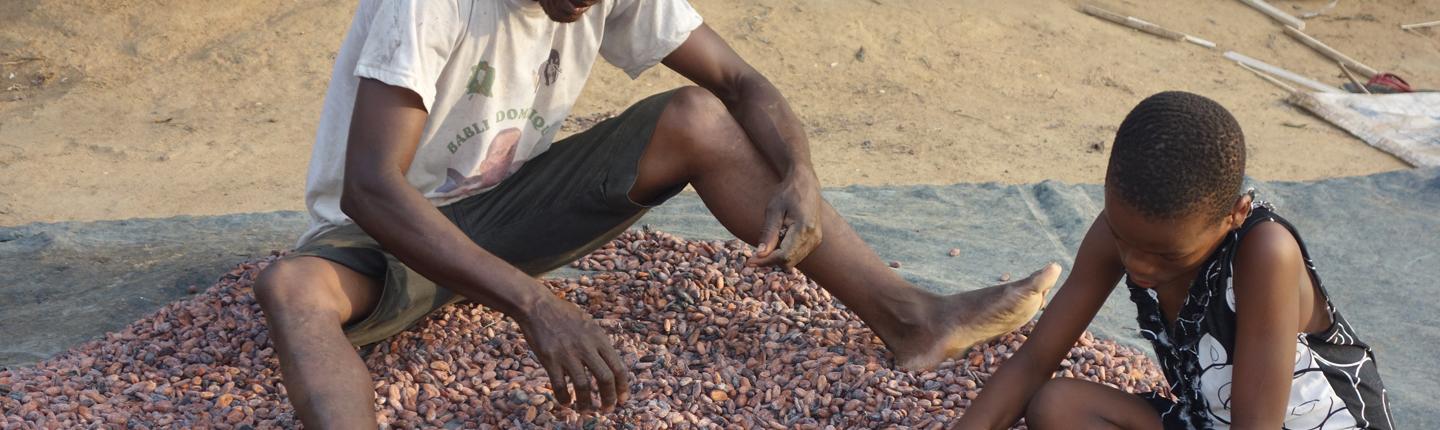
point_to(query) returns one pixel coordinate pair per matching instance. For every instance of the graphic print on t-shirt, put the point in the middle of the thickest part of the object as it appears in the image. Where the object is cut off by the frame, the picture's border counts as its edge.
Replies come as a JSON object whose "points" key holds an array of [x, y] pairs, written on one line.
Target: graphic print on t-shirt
{"points": [[498, 164], [549, 70], [482, 78], [499, 159]]}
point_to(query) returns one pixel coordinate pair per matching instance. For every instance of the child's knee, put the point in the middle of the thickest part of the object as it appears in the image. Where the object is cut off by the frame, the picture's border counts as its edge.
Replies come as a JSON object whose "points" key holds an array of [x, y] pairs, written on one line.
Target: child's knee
{"points": [[1052, 404]]}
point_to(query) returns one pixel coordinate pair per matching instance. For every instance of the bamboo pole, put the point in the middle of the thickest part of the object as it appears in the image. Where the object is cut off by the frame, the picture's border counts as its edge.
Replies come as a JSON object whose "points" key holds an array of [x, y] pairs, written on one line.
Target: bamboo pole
{"points": [[1272, 79], [1288, 75], [1326, 50], [1419, 25], [1353, 79], [1275, 13], [1143, 25]]}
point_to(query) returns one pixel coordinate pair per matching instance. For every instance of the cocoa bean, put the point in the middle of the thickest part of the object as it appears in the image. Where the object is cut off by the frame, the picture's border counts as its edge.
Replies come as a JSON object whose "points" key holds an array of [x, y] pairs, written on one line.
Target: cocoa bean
{"points": [[711, 343]]}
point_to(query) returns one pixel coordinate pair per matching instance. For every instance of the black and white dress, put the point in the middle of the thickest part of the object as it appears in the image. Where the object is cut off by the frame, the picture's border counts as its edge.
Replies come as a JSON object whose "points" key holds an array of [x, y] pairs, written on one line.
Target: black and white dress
{"points": [[1336, 383]]}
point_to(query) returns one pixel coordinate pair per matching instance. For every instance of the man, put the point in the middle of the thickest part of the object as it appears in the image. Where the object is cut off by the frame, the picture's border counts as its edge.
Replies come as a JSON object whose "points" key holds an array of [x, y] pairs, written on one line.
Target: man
{"points": [[434, 166]]}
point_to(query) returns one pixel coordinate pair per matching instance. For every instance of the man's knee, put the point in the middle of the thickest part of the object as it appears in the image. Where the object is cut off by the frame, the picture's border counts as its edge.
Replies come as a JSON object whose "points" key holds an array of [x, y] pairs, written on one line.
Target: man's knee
{"points": [[699, 117], [292, 285]]}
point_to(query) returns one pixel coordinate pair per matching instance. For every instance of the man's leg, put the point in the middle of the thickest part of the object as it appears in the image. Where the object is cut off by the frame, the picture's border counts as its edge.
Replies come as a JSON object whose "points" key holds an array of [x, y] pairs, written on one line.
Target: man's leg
{"points": [[696, 141], [306, 302]]}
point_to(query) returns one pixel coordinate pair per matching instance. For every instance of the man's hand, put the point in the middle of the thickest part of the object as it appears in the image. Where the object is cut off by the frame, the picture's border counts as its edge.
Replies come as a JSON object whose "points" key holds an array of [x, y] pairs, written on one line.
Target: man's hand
{"points": [[792, 223], [570, 345], [792, 219]]}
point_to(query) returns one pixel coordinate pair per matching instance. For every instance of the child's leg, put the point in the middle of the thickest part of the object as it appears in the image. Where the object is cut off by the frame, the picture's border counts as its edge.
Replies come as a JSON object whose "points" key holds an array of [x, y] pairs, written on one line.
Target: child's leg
{"points": [[1065, 403]]}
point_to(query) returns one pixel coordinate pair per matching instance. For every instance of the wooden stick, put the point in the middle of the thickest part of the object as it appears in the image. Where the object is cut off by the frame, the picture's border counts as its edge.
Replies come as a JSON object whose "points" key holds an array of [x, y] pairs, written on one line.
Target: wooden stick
{"points": [[1143, 25], [1198, 41], [22, 60], [1275, 14], [1326, 50], [1419, 25], [1288, 75], [1352, 78], [1272, 79], [1318, 12], [1131, 22]]}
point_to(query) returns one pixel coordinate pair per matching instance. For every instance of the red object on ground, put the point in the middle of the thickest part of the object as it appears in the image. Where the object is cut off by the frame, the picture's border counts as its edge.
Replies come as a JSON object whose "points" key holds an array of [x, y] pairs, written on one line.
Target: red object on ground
{"points": [[1390, 80]]}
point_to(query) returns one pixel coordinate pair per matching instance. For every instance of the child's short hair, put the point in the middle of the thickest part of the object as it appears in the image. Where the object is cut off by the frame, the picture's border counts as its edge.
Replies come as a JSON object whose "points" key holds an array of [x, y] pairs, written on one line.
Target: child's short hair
{"points": [[1176, 154]]}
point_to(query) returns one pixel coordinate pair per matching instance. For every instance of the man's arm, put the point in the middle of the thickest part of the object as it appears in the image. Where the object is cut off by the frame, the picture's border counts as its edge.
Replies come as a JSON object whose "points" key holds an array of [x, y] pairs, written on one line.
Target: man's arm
{"points": [[384, 133], [765, 116]]}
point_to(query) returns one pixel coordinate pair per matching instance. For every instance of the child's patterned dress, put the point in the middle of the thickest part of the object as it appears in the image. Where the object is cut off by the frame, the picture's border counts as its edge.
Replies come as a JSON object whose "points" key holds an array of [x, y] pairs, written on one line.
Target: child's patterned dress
{"points": [[1336, 383]]}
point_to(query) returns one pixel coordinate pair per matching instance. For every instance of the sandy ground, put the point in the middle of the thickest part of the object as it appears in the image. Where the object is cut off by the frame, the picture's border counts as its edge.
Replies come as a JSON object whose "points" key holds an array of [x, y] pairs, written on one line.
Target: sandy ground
{"points": [[147, 108]]}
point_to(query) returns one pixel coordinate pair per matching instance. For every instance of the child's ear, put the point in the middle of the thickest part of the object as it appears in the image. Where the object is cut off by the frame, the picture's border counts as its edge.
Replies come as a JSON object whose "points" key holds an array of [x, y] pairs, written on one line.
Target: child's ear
{"points": [[1240, 211]]}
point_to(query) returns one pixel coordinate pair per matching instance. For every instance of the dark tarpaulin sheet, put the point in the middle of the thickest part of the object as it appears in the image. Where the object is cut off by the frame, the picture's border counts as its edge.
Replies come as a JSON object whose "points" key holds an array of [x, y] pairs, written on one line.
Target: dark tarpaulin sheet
{"points": [[1375, 240]]}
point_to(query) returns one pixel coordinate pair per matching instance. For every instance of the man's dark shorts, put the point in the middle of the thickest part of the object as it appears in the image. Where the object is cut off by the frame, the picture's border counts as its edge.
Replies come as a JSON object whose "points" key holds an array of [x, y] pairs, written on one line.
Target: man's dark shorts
{"points": [[570, 200]]}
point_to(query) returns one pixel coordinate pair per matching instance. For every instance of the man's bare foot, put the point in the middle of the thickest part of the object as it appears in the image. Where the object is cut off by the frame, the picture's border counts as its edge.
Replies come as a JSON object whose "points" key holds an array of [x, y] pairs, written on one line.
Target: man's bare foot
{"points": [[971, 317]]}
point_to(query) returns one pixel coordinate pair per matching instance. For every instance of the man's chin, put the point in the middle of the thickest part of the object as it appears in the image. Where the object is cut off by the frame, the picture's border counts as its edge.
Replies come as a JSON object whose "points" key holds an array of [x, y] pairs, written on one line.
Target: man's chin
{"points": [[566, 19]]}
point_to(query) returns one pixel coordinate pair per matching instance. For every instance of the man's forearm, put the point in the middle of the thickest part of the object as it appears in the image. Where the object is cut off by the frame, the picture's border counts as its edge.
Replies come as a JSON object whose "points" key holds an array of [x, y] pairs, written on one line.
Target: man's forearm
{"points": [[409, 227], [569, 345], [772, 127]]}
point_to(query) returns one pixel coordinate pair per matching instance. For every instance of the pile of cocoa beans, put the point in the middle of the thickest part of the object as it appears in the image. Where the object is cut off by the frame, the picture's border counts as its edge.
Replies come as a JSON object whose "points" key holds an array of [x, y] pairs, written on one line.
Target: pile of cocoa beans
{"points": [[711, 343]]}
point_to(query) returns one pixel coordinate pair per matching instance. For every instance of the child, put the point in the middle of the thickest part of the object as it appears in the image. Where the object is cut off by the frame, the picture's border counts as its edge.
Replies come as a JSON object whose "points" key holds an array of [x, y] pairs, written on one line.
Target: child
{"points": [[1226, 294]]}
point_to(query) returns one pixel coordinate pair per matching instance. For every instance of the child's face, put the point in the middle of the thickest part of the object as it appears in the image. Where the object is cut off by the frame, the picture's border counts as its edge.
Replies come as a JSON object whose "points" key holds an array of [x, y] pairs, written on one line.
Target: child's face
{"points": [[1163, 252]]}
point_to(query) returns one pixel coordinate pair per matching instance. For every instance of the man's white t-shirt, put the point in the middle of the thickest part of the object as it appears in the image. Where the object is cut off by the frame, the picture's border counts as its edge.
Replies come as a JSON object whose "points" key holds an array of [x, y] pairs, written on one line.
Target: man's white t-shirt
{"points": [[498, 78]]}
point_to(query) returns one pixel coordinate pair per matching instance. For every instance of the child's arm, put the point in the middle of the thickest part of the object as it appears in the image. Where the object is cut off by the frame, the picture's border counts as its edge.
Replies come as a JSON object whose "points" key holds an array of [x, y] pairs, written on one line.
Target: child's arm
{"points": [[1267, 307], [1008, 391]]}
